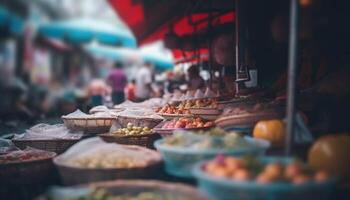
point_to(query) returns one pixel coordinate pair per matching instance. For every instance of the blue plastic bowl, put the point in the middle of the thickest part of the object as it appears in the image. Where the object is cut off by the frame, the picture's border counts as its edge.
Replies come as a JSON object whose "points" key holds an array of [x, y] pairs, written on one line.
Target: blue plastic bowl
{"points": [[179, 161], [225, 189]]}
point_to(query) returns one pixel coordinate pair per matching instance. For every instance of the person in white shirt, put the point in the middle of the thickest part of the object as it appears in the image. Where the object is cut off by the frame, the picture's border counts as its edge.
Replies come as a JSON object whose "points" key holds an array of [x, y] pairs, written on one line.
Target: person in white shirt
{"points": [[143, 82]]}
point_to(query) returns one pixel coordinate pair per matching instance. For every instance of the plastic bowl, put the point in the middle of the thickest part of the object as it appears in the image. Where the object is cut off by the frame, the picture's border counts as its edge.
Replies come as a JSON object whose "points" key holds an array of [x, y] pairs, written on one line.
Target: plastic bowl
{"points": [[179, 161], [225, 189]]}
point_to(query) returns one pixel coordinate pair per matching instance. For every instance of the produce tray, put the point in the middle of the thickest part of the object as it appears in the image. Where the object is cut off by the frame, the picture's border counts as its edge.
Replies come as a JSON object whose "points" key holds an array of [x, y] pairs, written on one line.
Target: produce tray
{"points": [[224, 189], [134, 187], [179, 161], [164, 132], [142, 121], [172, 116], [245, 120], [89, 125], [139, 140], [72, 175], [54, 145], [27, 172]]}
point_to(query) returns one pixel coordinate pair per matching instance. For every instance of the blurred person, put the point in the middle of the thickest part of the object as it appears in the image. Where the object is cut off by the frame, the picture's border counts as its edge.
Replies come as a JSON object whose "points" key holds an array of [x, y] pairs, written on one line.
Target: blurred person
{"points": [[18, 107], [38, 101], [312, 63], [67, 103], [117, 80], [144, 88], [195, 80], [97, 90], [130, 90]]}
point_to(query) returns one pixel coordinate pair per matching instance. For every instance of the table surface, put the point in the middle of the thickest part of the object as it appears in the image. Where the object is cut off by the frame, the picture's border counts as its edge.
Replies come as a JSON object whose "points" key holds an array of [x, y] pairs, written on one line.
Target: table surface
{"points": [[30, 191]]}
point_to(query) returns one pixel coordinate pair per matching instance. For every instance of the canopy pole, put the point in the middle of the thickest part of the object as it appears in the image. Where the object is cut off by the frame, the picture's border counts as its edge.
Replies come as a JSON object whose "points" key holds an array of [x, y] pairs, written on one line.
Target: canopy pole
{"points": [[241, 31], [292, 73], [237, 35]]}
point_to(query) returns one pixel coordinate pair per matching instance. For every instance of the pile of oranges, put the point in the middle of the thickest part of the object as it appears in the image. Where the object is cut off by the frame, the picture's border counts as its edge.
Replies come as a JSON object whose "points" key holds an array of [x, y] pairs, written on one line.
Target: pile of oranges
{"points": [[241, 170]]}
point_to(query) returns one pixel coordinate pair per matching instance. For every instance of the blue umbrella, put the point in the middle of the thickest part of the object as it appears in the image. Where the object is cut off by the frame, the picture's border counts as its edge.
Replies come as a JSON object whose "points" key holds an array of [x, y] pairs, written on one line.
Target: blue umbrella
{"points": [[84, 30], [158, 55], [113, 53], [11, 21]]}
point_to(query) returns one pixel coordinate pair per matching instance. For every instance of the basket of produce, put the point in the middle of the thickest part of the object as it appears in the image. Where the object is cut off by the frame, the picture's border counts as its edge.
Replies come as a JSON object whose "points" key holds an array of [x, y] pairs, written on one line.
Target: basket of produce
{"points": [[28, 166], [182, 150], [126, 189], [248, 116], [104, 109], [238, 101], [227, 178], [171, 112], [138, 117], [55, 138], [94, 160], [184, 123], [99, 122], [206, 113], [132, 135]]}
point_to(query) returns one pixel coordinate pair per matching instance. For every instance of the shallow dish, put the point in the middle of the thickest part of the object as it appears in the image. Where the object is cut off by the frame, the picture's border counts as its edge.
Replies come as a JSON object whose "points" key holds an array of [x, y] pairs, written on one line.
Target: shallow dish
{"points": [[179, 161], [225, 189]]}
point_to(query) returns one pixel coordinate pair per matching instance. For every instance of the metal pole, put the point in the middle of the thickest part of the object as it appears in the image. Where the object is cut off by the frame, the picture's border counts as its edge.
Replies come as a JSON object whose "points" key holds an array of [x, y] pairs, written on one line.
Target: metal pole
{"points": [[237, 30], [292, 73]]}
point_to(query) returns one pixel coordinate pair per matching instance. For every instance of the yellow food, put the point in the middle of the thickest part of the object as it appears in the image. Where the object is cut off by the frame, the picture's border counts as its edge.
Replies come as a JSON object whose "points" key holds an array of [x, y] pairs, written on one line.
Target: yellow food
{"points": [[271, 130], [331, 153]]}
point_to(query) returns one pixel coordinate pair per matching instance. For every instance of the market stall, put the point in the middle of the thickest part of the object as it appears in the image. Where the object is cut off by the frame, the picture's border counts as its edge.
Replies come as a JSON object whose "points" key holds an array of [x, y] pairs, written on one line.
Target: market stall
{"points": [[205, 143]]}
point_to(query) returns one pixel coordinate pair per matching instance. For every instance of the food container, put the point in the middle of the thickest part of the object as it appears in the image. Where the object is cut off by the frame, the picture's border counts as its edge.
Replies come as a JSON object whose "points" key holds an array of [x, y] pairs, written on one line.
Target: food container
{"points": [[139, 140], [245, 121], [206, 113], [89, 125], [225, 189], [75, 174], [143, 121], [173, 116], [179, 161], [164, 132], [132, 187], [27, 171], [54, 145]]}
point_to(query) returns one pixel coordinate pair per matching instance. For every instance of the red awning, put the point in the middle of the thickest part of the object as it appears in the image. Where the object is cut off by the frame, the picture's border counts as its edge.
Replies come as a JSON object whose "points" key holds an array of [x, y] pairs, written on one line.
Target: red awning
{"points": [[150, 20]]}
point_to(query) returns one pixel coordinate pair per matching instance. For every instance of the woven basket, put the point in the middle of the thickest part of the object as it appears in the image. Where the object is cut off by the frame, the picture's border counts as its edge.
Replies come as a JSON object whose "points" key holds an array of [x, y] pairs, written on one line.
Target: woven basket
{"points": [[173, 116], [139, 121], [139, 140], [206, 113], [89, 125], [245, 120], [73, 176], [27, 172], [164, 132], [134, 187], [58, 146]]}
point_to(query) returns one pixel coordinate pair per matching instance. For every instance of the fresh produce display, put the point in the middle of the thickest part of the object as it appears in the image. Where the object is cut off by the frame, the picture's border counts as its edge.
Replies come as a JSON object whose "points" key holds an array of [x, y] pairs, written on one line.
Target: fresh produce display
{"points": [[194, 141], [113, 160], [198, 103], [212, 132], [187, 123], [170, 109], [251, 169], [97, 154], [102, 194], [29, 154], [252, 109], [271, 130], [331, 153], [132, 130]]}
